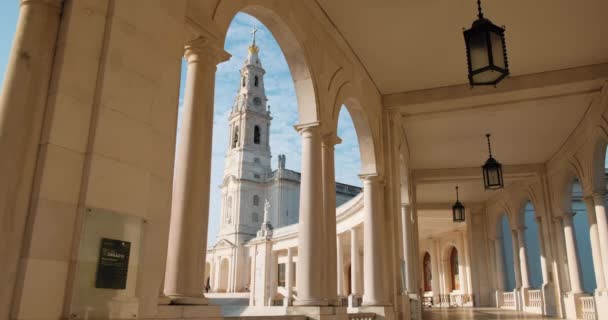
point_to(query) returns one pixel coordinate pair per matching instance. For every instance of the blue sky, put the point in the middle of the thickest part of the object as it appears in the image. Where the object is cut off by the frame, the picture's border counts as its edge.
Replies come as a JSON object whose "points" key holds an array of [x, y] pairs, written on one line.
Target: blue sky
{"points": [[282, 99], [280, 91]]}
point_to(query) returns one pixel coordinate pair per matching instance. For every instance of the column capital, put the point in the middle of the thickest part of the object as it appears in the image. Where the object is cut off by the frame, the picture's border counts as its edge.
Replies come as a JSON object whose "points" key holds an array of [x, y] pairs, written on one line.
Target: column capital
{"points": [[331, 139], [205, 48], [371, 177], [308, 129]]}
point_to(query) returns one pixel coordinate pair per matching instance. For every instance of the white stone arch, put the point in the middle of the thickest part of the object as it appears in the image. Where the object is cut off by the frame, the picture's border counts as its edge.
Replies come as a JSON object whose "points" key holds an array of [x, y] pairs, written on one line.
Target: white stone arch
{"points": [[598, 165], [446, 255], [289, 35], [345, 97]]}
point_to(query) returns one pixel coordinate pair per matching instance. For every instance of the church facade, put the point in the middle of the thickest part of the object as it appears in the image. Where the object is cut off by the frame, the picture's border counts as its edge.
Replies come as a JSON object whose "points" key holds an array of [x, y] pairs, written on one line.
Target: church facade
{"points": [[254, 196]]}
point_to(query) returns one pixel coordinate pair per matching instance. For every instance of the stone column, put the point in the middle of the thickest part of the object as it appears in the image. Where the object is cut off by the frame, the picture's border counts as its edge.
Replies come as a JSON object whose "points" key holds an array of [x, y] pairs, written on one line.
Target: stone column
{"points": [[310, 240], [406, 223], [340, 268], [516, 263], [544, 268], [523, 259], [329, 210], [573, 268], [595, 244], [289, 277], [355, 265], [435, 282], [599, 200], [23, 102], [190, 203], [373, 230], [500, 271]]}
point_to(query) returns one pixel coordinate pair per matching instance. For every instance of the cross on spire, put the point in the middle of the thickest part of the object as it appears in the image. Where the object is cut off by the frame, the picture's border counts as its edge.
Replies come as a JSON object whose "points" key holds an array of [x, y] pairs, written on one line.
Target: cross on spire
{"points": [[253, 31]]}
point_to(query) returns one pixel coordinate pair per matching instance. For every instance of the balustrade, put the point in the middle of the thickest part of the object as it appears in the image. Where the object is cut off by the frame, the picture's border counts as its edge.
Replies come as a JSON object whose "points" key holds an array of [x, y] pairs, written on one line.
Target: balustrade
{"points": [[588, 311]]}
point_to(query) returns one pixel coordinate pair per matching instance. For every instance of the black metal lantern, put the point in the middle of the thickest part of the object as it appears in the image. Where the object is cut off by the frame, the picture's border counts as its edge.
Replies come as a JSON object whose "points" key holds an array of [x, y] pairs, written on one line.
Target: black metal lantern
{"points": [[486, 51], [492, 171], [458, 209]]}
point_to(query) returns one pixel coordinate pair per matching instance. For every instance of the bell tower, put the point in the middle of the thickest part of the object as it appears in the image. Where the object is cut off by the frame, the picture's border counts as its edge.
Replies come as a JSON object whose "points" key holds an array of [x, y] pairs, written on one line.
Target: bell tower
{"points": [[247, 164]]}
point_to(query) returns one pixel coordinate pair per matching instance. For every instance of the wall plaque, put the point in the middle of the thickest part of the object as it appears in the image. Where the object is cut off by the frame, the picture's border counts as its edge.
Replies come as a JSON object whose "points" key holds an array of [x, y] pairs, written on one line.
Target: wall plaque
{"points": [[113, 264]]}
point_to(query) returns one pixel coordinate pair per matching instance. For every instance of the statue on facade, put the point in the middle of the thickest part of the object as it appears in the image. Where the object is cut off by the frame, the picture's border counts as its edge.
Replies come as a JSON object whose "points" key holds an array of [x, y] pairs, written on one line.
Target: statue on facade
{"points": [[281, 161], [266, 229]]}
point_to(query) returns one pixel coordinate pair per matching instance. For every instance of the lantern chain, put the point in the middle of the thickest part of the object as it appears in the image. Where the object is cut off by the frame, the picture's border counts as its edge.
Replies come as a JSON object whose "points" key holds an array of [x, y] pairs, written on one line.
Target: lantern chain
{"points": [[457, 199], [489, 147], [480, 14]]}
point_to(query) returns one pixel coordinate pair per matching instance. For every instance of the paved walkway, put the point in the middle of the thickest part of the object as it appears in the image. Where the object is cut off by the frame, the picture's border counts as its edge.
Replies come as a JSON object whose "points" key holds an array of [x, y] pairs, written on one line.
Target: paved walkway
{"points": [[477, 314]]}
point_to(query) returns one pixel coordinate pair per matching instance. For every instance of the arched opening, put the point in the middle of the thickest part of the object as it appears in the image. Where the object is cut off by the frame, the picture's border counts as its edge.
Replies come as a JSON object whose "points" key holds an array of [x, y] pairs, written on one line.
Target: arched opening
{"points": [[347, 159], [256, 81], [256, 200], [507, 253], [532, 242], [256, 134], [235, 137], [427, 274], [580, 223], [454, 270], [223, 275]]}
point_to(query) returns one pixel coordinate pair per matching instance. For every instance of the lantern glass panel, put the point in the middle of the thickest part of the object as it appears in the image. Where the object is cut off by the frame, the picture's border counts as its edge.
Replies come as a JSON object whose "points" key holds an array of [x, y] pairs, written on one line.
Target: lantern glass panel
{"points": [[498, 55], [478, 50]]}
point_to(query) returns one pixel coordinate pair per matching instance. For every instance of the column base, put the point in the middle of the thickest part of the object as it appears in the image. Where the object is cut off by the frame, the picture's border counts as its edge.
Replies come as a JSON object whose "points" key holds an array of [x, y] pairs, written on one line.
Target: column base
{"points": [[549, 305], [198, 300], [373, 303], [354, 301], [319, 313], [163, 300]]}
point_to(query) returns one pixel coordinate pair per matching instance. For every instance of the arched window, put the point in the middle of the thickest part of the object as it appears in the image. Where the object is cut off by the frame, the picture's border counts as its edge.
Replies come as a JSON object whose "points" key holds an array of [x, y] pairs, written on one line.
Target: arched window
{"points": [[256, 200], [256, 135], [235, 140], [243, 82], [454, 269], [255, 81], [428, 276], [255, 217]]}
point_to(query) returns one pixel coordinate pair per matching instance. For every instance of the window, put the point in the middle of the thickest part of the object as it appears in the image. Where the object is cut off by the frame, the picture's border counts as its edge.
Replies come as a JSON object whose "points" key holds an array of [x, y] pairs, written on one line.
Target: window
{"points": [[255, 175], [243, 82], [235, 140], [256, 200], [256, 135], [255, 81], [255, 217], [281, 275], [256, 160]]}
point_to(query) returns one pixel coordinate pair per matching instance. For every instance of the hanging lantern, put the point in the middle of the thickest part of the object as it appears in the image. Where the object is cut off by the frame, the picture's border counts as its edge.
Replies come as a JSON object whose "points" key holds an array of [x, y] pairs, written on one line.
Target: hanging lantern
{"points": [[486, 52], [458, 209], [492, 171]]}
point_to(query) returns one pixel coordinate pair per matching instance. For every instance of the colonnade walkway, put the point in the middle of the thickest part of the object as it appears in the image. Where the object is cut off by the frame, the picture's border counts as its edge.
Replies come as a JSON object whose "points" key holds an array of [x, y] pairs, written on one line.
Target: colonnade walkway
{"points": [[478, 314]]}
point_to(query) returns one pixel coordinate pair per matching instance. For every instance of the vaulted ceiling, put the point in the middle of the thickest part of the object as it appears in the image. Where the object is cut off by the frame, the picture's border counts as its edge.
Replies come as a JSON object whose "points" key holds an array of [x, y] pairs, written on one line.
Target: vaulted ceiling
{"points": [[414, 52]]}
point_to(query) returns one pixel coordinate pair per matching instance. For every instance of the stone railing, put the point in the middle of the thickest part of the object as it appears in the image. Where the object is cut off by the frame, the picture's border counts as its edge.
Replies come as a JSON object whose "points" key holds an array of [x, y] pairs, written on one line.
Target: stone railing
{"points": [[361, 316], [508, 300], [534, 301], [588, 308]]}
